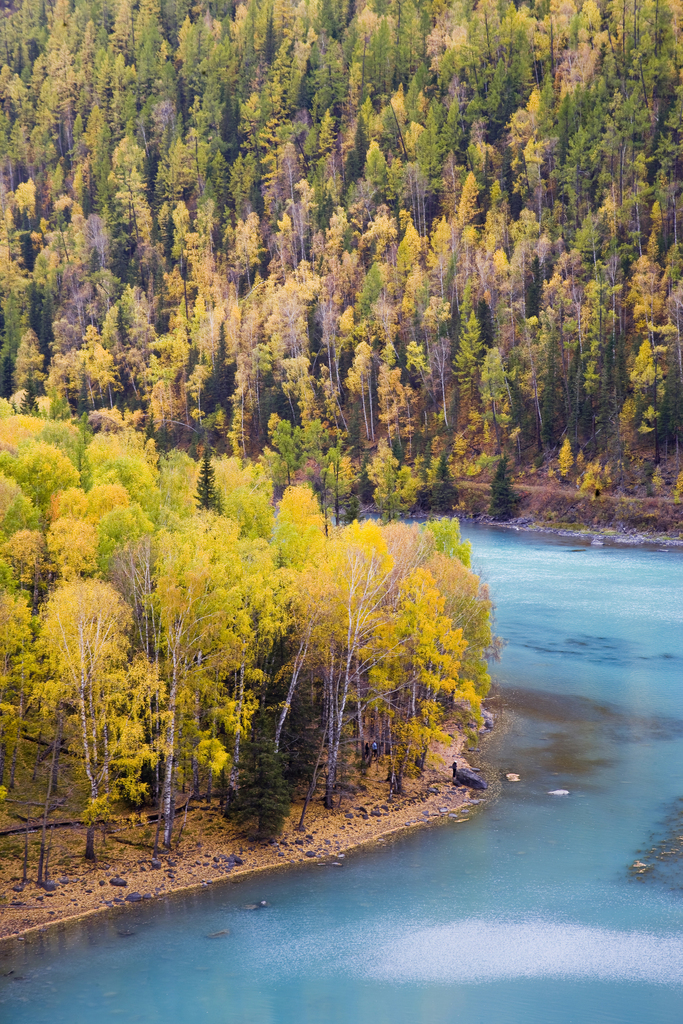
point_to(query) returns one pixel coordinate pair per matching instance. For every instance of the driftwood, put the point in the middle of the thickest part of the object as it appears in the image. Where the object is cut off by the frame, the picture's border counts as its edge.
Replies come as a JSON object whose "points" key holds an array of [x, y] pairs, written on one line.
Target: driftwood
{"points": [[37, 823]]}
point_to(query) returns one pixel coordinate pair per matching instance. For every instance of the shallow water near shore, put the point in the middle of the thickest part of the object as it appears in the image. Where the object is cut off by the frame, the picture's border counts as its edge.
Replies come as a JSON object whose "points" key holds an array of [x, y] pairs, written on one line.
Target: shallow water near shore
{"points": [[530, 912]]}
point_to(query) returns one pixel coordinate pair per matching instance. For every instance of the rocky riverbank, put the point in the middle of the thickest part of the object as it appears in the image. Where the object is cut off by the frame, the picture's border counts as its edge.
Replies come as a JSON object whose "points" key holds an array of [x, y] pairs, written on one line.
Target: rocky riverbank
{"points": [[595, 536], [558, 508], [212, 850]]}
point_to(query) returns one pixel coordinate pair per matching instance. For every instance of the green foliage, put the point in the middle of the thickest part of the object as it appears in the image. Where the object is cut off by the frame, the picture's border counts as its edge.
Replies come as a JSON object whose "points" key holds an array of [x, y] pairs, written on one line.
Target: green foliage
{"points": [[504, 499], [444, 493], [447, 539], [207, 496], [263, 799]]}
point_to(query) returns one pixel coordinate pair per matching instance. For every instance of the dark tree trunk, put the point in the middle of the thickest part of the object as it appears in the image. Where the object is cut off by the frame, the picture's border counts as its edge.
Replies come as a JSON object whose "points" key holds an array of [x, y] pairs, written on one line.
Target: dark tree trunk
{"points": [[90, 844]]}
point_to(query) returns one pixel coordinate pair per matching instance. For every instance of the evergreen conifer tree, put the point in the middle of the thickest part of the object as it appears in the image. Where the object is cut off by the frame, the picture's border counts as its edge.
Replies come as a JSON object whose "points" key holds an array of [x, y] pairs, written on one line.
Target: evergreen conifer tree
{"points": [[207, 496], [35, 308], [355, 162], [269, 42], [263, 796], [7, 376], [485, 323], [222, 379], [549, 394], [504, 499], [444, 492], [28, 405], [366, 488], [534, 291], [27, 251], [354, 435], [46, 334], [352, 512]]}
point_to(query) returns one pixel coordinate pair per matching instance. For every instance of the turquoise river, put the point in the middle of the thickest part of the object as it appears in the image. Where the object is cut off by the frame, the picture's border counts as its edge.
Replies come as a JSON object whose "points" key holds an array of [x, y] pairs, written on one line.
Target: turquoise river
{"points": [[530, 912]]}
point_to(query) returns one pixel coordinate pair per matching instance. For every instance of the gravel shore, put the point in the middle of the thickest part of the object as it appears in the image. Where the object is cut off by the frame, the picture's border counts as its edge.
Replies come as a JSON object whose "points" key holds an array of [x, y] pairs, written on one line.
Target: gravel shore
{"points": [[212, 850]]}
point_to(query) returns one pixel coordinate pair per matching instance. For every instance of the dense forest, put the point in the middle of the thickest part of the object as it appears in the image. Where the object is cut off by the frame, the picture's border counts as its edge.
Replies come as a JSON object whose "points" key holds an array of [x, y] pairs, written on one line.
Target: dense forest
{"points": [[163, 631], [436, 231], [307, 257]]}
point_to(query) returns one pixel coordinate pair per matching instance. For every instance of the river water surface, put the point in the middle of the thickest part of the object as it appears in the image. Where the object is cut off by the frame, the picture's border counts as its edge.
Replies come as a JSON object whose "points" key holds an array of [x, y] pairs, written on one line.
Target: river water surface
{"points": [[529, 912]]}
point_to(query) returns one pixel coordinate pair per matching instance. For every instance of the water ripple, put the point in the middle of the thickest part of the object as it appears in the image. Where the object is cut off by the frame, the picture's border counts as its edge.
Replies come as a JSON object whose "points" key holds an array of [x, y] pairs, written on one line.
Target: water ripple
{"points": [[476, 951]]}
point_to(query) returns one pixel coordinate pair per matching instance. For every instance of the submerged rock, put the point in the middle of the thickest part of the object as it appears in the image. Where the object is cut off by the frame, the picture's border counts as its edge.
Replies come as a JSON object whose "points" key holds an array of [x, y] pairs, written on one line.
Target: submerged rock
{"points": [[558, 792]]}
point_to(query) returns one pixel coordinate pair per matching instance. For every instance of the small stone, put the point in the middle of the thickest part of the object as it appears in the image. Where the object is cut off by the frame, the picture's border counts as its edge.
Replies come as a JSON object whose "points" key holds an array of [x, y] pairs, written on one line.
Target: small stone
{"points": [[118, 881], [49, 886], [156, 864], [133, 897], [310, 853], [347, 815], [102, 882]]}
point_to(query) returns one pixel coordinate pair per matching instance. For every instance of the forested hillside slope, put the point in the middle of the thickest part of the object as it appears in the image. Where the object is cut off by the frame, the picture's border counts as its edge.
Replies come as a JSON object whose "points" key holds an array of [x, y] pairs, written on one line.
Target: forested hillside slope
{"points": [[450, 228]]}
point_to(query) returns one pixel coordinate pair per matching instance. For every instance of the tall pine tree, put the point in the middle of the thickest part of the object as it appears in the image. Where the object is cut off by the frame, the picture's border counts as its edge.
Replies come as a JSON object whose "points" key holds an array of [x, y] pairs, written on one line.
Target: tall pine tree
{"points": [[207, 496], [504, 499], [263, 797]]}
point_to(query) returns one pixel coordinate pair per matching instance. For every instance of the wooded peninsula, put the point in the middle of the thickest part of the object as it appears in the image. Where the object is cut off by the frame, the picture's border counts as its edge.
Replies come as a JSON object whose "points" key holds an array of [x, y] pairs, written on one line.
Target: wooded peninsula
{"points": [[152, 644]]}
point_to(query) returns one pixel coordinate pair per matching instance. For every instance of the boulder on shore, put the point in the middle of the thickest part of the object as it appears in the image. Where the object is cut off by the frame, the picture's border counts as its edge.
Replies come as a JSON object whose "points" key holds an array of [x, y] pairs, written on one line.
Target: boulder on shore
{"points": [[466, 777], [489, 721]]}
